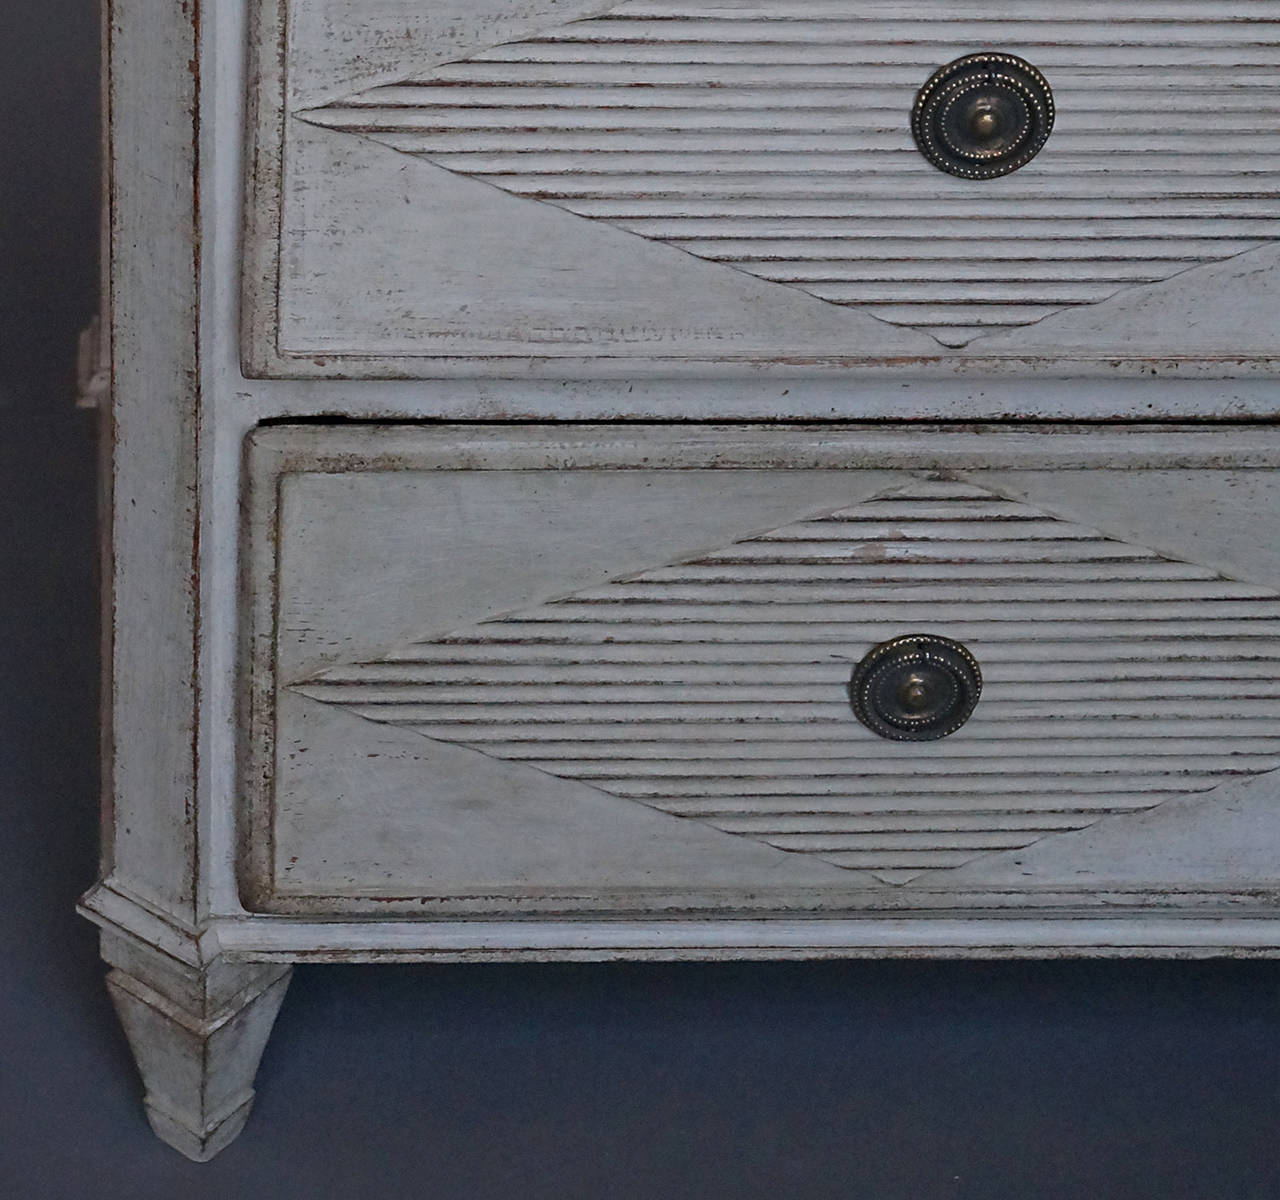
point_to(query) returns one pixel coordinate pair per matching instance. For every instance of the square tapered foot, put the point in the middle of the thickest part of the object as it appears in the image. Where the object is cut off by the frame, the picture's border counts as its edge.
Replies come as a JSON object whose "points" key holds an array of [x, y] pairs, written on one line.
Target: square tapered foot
{"points": [[198, 1052], [202, 1145]]}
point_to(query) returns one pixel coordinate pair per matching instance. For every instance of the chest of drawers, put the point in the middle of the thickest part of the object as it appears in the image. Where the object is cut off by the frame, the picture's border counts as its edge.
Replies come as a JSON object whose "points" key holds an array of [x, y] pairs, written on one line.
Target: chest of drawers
{"points": [[681, 480]]}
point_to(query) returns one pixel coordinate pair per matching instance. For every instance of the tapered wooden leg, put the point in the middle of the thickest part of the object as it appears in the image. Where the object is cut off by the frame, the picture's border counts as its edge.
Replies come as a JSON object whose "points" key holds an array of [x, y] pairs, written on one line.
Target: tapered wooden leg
{"points": [[197, 1035]]}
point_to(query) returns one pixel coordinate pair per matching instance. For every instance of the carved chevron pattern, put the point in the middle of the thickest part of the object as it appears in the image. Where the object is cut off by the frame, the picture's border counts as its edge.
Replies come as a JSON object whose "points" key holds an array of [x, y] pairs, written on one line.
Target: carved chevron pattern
{"points": [[773, 136], [714, 688]]}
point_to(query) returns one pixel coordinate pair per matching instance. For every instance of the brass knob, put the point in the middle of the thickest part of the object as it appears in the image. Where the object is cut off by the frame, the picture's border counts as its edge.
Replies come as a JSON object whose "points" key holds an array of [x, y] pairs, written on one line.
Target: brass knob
{"points": [[983, 115], [916, 688]]}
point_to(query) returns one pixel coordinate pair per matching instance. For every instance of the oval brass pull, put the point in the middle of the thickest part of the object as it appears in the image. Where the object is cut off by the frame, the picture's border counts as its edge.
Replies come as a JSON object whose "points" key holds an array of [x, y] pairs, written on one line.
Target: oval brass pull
{"points": [[916, 688], [983, 115]]}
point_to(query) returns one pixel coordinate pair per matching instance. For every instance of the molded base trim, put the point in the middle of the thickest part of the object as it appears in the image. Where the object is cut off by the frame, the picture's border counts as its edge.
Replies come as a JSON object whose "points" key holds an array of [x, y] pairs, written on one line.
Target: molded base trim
{"points": [[1140, 934]]}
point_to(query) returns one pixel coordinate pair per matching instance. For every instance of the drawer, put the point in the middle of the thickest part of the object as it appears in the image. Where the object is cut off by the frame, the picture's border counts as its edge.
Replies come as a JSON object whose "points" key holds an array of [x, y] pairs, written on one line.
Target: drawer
{"points": [[646, 186], [520, 670]]}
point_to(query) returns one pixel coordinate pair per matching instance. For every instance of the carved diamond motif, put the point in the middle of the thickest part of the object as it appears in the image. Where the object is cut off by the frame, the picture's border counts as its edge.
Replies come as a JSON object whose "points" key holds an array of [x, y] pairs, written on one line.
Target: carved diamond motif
{"points": [[774, 138], [713, 688]]}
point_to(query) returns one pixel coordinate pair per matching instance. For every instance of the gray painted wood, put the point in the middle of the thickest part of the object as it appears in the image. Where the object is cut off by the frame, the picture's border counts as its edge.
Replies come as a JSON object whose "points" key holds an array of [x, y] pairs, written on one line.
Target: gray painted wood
{"points": [[152, 431], [698, 669], [543, 169], [384, 286], [771, 139], [197, 1044], [714, 688], [195, 1021]]}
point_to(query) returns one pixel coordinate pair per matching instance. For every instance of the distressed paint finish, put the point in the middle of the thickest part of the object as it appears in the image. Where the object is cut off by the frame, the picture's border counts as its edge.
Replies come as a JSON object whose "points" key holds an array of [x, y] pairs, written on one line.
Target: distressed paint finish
{"points": [[197, 1035], [770, 138], [769, 144], [152, 584], [629, 327], [195, 1021], [709, 687], [714, 688]]}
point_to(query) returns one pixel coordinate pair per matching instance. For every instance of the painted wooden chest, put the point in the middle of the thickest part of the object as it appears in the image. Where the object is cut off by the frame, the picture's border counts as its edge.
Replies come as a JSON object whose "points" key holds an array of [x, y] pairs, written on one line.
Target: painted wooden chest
{"points": [[681, 479]]}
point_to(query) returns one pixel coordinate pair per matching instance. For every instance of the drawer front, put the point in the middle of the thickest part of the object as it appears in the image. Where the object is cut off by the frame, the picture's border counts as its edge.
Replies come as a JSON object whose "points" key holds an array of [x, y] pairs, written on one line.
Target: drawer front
{"points": [[511, 670], [739, 182]]}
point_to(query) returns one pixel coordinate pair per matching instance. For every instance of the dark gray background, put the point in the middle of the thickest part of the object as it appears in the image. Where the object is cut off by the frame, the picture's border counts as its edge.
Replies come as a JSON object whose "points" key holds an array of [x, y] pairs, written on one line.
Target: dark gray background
{"points": [[855, 1080]]}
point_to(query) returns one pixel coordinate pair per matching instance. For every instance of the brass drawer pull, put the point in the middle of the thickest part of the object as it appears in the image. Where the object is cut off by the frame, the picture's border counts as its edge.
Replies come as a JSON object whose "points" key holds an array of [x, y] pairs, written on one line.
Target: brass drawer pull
{"points": [[916, 688], [983, 115]]}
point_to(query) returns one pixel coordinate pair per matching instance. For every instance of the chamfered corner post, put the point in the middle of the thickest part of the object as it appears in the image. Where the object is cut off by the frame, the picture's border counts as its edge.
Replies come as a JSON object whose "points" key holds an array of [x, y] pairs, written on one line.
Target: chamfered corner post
{"points": [[197, 1023]]}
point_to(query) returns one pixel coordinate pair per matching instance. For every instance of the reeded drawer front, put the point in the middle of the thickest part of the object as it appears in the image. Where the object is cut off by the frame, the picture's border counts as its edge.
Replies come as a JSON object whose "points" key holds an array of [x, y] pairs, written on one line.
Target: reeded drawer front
{"points": [[740, 182], [589, 670]]}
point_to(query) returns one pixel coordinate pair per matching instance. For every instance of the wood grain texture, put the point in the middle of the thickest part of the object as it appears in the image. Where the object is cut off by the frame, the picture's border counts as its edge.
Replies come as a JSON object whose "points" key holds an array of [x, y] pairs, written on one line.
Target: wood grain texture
{"points": [[150, 589], [347, 526], [196, 1023], [1113, 929], [543, 251], [197, 1062], [732, 190], [772, 138], [714, 688], [709, 689]]}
